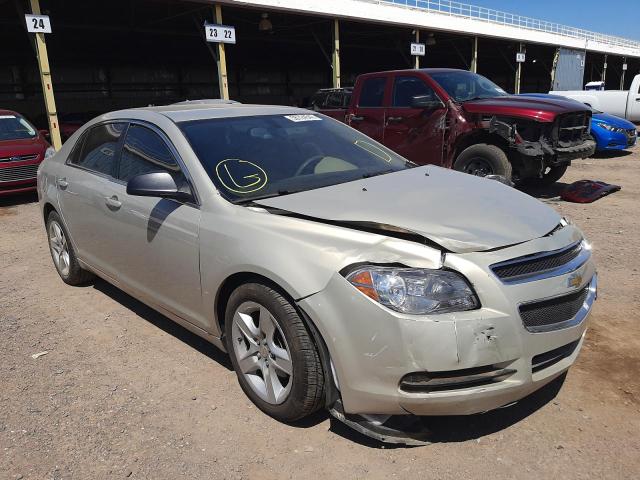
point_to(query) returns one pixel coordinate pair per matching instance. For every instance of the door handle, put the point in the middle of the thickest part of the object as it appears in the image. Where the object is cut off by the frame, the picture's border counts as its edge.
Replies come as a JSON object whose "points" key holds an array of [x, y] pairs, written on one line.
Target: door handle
{"points": [[62, 183], [112, 202], [356, 118], [395, 119]]}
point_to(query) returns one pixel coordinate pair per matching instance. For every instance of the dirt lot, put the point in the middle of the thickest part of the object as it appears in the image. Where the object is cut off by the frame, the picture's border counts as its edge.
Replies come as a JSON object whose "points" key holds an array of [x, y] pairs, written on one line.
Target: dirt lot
{"points": [[125, 393]]}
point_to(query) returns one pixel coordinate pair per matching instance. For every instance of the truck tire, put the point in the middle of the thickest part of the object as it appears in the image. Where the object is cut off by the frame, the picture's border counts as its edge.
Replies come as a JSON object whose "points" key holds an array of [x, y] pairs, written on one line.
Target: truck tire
{"points": [[550, 176], [482, 160]]}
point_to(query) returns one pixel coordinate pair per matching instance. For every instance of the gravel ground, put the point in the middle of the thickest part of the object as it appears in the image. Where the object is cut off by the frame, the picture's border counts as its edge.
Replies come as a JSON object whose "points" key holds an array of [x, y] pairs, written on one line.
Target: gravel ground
{"points": [[125, 393]]}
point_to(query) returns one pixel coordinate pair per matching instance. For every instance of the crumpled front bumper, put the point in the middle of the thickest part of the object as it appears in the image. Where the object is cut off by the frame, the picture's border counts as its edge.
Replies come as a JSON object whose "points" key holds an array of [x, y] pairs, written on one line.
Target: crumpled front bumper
{"points": [[372, 348], [566, 154]]}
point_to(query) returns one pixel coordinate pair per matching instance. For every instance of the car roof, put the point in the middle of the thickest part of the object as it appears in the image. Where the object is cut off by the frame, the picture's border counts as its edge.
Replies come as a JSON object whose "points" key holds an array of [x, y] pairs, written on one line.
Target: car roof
{"points": [[204, 111], [9, 112]]}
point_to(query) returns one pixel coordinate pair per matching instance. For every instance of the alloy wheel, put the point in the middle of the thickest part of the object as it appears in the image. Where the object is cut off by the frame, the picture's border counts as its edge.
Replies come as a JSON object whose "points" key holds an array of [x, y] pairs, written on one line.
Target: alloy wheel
{"points": [[262, 353], [59, 248], [479, 167]]}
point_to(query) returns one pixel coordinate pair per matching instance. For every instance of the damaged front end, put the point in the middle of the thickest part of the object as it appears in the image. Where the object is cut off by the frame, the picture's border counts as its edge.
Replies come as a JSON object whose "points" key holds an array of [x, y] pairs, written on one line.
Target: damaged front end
{"points": [[536, 146]]}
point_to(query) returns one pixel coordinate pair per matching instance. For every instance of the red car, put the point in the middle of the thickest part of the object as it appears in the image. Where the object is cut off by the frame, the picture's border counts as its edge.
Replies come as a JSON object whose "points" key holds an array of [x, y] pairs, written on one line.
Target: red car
{"points": [[22, 148]]}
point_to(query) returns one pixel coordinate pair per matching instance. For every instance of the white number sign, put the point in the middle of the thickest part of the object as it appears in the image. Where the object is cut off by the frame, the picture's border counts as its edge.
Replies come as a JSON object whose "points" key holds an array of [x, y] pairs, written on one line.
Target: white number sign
{"points": [[38, 23], [418, 49], [521, 57], [220, 33]]}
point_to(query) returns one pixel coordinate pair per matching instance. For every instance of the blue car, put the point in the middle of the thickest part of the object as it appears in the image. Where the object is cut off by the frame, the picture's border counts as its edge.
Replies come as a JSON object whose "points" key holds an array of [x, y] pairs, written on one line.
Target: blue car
{"points": [[609, 132]]}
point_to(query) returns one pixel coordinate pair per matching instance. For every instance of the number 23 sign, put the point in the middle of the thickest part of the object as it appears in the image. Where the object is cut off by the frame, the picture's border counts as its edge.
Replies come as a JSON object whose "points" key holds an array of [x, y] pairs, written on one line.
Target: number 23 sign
{"points": [[220, 33]]}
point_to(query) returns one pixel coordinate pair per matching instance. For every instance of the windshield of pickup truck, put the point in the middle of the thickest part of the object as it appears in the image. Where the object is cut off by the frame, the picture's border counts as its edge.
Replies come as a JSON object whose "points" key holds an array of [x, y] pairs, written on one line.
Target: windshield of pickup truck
{"points": [[465, 86], [249, 158]]}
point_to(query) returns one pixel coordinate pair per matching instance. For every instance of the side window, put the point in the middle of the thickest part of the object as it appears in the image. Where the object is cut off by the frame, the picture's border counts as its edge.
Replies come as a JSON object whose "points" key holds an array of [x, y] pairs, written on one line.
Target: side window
{"points": [[145, 152], [405, 88], [318, 100], [99, 148], [372, 93]]}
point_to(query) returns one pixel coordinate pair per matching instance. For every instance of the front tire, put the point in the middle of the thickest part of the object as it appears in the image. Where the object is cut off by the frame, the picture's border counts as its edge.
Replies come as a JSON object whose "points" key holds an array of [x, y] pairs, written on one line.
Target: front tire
{"points": [[482, 160], [271, 350], [62, 253]]}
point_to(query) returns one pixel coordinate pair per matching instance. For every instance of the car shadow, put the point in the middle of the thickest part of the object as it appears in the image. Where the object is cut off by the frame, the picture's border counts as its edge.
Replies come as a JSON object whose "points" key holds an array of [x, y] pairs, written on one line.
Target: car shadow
{"points": [[544, 192], [605, 154], [163, 323], [18, 199]]}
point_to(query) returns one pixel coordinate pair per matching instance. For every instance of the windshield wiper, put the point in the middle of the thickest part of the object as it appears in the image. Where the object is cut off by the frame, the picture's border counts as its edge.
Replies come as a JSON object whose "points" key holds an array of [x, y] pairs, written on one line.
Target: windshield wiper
{"points": [[279, 193], [381, 172]]}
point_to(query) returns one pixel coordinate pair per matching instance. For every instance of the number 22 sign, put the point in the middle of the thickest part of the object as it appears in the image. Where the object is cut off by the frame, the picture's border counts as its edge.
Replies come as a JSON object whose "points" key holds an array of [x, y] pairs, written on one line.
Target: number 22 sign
{"points": [[38, 23], [220, 33]]}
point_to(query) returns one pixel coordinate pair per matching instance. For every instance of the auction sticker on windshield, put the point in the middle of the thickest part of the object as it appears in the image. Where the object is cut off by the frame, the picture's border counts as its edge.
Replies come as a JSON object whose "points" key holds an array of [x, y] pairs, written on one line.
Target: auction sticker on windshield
{"points": [[302, 118]]}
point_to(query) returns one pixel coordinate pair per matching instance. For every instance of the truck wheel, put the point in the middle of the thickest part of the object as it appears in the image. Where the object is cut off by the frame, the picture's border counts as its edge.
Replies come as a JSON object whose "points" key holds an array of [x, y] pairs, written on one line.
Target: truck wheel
{"points": [[550, 176], [482, 160]]}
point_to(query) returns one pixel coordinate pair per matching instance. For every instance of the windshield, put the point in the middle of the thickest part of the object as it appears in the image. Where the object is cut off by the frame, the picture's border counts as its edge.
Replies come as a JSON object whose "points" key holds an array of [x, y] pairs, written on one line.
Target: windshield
{"points": [[15, 128], [248, 158], [465, 86]]}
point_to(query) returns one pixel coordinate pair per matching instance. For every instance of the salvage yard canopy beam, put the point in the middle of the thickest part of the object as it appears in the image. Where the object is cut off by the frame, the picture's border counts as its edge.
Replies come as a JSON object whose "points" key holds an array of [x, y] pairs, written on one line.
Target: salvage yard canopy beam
{"points": [[474, 55], [223, 80], [336, 54]]}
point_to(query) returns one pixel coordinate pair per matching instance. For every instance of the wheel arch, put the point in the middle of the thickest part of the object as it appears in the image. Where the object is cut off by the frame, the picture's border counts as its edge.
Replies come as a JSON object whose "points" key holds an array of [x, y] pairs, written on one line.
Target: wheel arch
{"points": [[476, 137], [47, 209]]}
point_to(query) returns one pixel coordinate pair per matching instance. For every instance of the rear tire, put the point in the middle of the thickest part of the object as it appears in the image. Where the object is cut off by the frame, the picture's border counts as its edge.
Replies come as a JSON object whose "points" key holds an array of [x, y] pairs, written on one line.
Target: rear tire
{"points": [[63, 255], [267, 339], [482, 160]]}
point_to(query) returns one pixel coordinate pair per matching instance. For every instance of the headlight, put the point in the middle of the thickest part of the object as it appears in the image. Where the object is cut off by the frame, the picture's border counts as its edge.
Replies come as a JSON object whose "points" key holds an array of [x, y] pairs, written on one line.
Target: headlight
{"points": [[49, 152], [415, 291], [610, 127]]}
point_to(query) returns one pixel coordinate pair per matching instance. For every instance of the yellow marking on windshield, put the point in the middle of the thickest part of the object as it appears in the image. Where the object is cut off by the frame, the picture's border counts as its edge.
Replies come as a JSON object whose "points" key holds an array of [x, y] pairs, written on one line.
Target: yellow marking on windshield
{"points": [[374, 150], [260, 178]]}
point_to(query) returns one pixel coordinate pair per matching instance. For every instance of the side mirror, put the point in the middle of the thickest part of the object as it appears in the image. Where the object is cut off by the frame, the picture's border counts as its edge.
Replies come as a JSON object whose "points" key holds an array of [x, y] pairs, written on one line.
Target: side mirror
{"points": [[44, 133], [427, 102], [157, 184]]}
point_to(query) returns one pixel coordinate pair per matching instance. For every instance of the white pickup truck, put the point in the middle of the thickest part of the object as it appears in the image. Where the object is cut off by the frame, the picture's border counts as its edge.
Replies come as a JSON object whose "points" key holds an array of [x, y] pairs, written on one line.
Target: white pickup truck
{"points": [[622, 103]]}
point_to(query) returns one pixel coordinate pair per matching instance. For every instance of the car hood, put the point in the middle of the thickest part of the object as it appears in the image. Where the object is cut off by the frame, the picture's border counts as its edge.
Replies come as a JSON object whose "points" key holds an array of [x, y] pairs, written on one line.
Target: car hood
{"points": [[540, 109], [24, 146], [613, 121], [459, 212]]}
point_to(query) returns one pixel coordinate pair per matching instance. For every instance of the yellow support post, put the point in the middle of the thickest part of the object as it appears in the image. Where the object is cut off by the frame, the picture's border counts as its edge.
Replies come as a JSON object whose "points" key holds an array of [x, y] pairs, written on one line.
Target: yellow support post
{"points": [[223, 81], [474, 56], [335, 64], [417, 57], [47, 84]]}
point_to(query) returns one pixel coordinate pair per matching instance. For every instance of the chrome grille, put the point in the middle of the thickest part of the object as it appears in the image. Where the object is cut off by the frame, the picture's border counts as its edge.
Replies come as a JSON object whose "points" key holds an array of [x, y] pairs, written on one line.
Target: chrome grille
{"points": [[532, 265], [631, 137], [19, 158], [22, 172], [545, 314]]}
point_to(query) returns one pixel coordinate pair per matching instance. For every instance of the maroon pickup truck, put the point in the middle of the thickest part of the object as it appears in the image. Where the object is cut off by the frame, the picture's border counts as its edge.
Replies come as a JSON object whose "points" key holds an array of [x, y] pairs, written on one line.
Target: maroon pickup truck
{"points": [[462, 120]]}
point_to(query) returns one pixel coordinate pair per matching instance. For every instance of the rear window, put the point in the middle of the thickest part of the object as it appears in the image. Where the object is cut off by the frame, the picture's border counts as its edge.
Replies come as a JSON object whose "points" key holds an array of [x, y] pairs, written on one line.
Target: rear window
{"points": [[99, 149], [13, 127]]}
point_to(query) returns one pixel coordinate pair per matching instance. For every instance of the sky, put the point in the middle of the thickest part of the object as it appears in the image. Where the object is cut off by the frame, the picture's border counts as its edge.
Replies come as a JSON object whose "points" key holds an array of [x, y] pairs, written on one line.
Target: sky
{"points": [[613, 18]]}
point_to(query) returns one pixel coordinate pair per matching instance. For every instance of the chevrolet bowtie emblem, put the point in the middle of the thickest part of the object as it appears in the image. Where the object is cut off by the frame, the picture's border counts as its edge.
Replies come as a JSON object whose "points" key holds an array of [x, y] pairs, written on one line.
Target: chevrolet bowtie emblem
{"points": [[574, 281]]}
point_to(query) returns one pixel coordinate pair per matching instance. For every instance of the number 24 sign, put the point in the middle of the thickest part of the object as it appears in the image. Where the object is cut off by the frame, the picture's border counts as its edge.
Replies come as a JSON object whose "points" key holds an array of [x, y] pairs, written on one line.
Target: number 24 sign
{"points": [[220, 33], [38, 23]]}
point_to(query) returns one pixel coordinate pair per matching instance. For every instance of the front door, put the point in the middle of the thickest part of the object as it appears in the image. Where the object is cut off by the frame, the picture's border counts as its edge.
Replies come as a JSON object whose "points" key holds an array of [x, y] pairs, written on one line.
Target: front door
{"points": [[415, 133], [157, 240], [368, 116]]}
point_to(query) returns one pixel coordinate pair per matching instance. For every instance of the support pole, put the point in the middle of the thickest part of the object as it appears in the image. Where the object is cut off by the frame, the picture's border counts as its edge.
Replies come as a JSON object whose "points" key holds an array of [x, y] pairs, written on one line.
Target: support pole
{"points": [[335, 64], [624, 62], [604, 70], [474, 56], [417, 57], [523, 49], [223, 81], [47, 84]]}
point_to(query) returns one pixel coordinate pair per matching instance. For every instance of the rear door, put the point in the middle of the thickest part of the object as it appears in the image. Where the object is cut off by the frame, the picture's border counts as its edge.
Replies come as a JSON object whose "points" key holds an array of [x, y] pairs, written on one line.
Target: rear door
{"points": [[368, 115], [85, 191], [415, 133]]}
